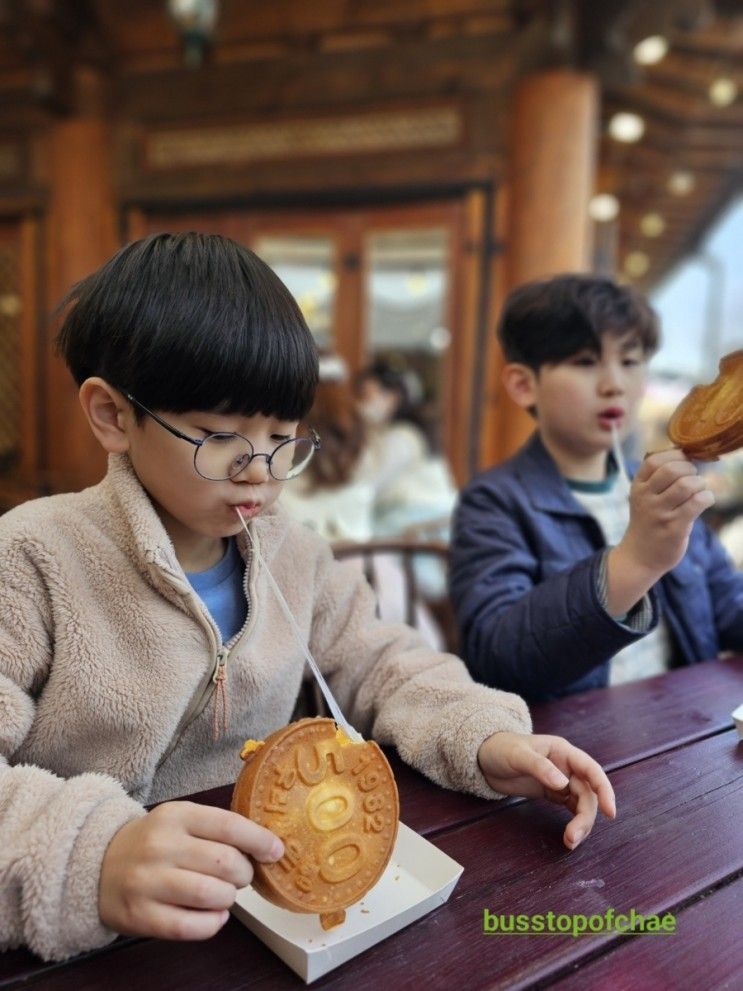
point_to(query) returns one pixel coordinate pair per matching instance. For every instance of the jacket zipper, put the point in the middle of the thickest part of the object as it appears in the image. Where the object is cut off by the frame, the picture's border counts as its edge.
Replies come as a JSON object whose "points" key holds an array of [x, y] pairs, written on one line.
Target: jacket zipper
{"points": [[219, 680], [215, 683]]}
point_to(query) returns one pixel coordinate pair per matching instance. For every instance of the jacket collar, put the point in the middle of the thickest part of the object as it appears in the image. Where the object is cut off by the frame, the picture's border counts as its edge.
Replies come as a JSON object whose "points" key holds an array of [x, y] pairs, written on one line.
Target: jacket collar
{"points": [[542, 482], [137, 526]]}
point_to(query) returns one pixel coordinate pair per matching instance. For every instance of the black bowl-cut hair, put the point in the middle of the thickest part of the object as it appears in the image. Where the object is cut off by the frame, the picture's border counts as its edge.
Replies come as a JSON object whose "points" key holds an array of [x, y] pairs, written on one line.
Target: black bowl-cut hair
{"points": [[192, 322], [548, 321]]}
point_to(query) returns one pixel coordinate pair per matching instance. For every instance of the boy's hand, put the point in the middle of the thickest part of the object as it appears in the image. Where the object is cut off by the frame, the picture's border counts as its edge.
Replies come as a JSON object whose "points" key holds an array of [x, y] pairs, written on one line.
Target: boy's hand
{"points": [[666, 497], [174, 873], [549, 767]]}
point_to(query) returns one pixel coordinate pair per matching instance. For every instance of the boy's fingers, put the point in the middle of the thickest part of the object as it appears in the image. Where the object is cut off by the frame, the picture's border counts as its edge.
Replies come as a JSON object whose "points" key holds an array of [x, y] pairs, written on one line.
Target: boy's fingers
{"points": [[170, 922], [582, 822], [189, 889], [652, 462], [577, 762], [596, 777], [236, 830], [606, 797], [682, 490], [669, 474], [216, 859], [153, 917], [528, 761], [691, 507]]}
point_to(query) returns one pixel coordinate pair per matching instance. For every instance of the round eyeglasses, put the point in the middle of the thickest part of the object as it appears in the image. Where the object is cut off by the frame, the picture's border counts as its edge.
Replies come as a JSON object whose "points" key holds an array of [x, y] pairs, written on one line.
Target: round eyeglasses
{"points": [[220, 456]]}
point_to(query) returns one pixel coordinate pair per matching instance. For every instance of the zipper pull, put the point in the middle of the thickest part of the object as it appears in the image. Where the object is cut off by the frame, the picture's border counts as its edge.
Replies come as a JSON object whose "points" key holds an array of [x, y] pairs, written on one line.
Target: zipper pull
{"points": [[220, 694], [219, 673]]}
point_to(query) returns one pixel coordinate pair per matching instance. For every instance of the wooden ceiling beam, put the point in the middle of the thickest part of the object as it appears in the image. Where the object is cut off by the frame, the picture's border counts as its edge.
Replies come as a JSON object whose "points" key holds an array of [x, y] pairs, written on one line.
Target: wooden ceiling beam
{"points": [[650, 170], [693, 160], [665, 252], [418, 70], [660, 111], [670, 102], [722, 38], [684, 69], [143, 29], [51, 39]]}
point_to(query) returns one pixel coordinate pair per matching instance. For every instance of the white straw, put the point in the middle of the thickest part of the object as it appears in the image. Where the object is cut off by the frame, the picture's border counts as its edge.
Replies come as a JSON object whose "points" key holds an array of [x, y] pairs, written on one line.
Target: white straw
{"points": [[340, 719], [619, 456]]}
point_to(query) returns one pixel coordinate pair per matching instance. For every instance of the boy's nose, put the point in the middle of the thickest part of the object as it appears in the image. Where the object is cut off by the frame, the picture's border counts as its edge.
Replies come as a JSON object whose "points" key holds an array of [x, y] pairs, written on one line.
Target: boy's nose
{"points": [[611, 381], [255, 472]]}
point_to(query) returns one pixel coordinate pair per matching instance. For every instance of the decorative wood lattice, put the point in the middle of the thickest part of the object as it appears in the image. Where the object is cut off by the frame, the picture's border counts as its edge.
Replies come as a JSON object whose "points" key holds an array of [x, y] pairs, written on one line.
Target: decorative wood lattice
{"points": [[10, 311], [431, 127]]}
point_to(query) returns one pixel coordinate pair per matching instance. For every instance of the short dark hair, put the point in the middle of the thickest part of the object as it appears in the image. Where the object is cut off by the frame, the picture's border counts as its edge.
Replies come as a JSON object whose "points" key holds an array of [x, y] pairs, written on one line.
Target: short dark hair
{"points": [[192, 322], [547, 321]]}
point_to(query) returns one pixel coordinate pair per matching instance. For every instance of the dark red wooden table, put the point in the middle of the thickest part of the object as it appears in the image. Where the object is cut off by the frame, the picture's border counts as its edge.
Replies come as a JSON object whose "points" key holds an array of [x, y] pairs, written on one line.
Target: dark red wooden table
{"points": [[676, 764]]}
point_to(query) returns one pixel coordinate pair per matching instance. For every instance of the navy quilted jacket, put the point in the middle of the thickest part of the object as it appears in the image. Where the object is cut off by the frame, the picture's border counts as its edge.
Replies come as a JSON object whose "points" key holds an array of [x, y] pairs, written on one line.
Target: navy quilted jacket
{"points": [[524, 561]]}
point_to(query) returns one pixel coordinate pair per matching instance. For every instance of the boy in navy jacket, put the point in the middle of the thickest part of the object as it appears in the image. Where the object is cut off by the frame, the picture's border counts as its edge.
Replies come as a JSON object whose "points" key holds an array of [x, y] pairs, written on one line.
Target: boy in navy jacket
{"points": [[561, 579]]}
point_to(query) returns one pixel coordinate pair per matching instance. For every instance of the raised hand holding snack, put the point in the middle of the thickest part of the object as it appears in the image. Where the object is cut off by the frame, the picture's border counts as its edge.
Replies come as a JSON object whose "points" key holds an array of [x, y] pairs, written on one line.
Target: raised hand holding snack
{"points": [[666, 497]]}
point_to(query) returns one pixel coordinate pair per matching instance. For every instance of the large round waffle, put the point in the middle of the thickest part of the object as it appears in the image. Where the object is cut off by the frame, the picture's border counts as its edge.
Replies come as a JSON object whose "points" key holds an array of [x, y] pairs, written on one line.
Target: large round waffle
{"points": [[334, 804], [709, 421]]}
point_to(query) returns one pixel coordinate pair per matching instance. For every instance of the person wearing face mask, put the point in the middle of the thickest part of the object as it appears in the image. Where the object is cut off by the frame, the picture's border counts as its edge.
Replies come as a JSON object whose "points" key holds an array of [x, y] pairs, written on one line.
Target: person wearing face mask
{"points": [[413, 486], [386, 404], [335, 496]]}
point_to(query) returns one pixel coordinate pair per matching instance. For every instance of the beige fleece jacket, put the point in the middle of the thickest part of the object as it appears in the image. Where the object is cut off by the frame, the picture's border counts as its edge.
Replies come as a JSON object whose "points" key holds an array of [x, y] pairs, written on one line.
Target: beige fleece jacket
{"points": [[107, 699]]}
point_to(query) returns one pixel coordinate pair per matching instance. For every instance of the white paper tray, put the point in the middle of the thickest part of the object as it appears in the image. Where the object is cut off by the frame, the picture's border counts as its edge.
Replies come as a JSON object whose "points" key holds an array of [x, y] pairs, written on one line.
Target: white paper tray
{"points": [[418, 878], [738, 719]]}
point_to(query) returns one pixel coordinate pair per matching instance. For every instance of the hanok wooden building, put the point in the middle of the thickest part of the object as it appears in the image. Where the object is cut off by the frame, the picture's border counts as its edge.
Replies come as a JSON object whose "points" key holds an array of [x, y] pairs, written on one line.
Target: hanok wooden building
{"points": [[402, 163]]}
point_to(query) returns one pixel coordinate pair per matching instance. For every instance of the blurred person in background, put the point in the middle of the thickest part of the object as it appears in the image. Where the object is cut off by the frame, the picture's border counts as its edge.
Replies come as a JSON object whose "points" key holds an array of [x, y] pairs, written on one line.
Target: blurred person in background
{"points": [[336, 495], [336, 498], [388, 401], [414, 488]]}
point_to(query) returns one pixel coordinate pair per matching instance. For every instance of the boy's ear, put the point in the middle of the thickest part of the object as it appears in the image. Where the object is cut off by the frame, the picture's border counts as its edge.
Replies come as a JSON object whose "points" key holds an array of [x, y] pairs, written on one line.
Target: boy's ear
{"points": [[108, 414], [520, 383]]}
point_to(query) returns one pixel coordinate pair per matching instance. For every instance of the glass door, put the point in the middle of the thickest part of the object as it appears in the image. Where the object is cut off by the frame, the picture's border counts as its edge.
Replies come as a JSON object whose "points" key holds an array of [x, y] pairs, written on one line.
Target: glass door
{"points": [[406, 309], [306, 264]]}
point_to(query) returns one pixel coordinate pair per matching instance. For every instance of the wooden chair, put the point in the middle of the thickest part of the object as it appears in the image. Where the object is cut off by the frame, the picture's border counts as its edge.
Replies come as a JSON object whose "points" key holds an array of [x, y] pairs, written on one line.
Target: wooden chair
{"points": [[406, 551], [433, 531], [440, 610], [311, 702]]}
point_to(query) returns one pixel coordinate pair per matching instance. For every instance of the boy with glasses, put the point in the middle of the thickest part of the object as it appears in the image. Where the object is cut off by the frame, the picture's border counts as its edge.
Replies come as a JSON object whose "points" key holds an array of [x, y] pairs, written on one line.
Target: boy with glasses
{"points": [[140, 643]]}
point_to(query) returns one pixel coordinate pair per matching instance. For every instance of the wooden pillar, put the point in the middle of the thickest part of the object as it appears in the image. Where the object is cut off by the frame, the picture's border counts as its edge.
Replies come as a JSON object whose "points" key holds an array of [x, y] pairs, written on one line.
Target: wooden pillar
{"points": [[552, 167], [493, 395], [81, 235]]}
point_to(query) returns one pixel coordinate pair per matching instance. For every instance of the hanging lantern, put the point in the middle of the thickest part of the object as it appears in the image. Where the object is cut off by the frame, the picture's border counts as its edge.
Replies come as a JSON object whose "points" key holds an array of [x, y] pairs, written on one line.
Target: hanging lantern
{"points": [[195, 20]]}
